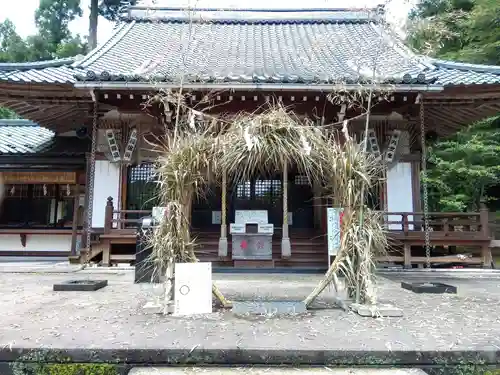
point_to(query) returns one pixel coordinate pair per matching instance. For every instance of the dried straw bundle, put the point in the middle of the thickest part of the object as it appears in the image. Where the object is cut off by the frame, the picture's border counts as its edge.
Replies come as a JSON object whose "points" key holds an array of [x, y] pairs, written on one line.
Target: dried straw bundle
{"points": [[262, 144], [352, 173]]}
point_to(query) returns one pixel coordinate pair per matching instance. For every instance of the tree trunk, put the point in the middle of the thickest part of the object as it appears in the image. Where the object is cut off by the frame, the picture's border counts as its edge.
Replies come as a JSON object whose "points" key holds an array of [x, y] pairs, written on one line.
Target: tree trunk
{"points": [[93, 19]]}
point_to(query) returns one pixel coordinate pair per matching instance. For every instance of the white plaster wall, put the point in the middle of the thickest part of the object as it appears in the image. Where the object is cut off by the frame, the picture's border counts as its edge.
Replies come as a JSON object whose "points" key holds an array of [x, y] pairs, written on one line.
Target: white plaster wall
{"points": [[399, 192], [36, 242], [106, 184]]}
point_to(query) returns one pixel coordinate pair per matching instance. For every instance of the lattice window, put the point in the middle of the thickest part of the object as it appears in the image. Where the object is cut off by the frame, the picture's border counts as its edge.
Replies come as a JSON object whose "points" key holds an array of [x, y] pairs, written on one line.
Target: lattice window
{"points": [[142, 193], [269, 190], [301, 180], [244, 190], [143, 172]]}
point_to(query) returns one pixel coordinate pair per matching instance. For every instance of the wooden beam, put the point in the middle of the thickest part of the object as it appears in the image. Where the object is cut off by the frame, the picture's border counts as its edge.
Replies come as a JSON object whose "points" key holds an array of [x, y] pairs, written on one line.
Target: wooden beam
{"points": [[59, 117], [445, 123], [25, 112], [46, 100], [442, 116], [459, 117], [50, 115]]}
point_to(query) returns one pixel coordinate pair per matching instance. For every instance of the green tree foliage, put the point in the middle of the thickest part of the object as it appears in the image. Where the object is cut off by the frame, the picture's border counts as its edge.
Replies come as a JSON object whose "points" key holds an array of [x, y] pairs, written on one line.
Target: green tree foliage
{"points": [[109, 9], [53, 17], [464, 167], [462, 30], [12, 46], [53, 40], [7, 113]]}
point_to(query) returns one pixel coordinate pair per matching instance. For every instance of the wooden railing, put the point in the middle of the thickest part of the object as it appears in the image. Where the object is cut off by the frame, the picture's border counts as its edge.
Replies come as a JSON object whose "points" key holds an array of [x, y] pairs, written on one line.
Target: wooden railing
{"points": [[471, 229], [470, 226], [466, 225], [118, 219]]}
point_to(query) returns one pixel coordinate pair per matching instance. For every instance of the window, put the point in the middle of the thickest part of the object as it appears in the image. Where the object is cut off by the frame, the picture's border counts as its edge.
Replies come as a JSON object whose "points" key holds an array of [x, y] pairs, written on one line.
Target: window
{"points": [[142, 193], [301, 180], [268, 190], [243, 190]]}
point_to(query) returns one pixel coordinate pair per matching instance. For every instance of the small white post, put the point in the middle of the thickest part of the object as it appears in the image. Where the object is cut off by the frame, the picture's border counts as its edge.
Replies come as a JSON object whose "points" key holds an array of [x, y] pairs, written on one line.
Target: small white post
{"points": [[286, 247], [223, 225]]}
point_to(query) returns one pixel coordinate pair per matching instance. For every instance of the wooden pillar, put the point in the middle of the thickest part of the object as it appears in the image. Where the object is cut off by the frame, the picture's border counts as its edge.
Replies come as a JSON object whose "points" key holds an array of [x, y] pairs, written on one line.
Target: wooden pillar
{"points": [[86, 203], [74, 228], [317, 205], [223, 224], [415, 174], [286, 247], [485, 230], [407, 256], [108, 215]]}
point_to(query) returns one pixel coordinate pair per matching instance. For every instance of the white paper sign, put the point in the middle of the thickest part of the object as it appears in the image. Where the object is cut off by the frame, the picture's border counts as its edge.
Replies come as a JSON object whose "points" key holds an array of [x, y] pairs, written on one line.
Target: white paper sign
{"points": [[237, 228], [216, 217], [250, 217], [193, 288], [333, 222], [159, 213], [265, 228]]}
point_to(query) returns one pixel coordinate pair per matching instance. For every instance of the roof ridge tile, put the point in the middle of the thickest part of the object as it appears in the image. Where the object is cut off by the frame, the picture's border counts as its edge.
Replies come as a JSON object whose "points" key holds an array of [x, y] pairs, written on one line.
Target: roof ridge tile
{"points": [[251, 16]]}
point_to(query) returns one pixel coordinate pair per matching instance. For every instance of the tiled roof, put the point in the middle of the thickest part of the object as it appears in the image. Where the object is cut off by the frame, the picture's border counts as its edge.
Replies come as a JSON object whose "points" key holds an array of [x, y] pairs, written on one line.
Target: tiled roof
{"points": [[455, 73], [282, 46], [24, 137], [265, 46], [53, 71], [287, 46]]}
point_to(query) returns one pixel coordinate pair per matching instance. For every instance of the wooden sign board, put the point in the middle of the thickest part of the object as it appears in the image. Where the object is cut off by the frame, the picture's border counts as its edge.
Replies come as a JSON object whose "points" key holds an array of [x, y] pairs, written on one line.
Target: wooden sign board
{"points": [[193, 288], [36, 177]]}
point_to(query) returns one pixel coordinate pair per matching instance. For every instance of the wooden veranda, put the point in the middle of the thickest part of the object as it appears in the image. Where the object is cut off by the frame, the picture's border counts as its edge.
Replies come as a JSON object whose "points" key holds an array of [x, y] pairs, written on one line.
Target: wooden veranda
{"points": [[465, 231]]}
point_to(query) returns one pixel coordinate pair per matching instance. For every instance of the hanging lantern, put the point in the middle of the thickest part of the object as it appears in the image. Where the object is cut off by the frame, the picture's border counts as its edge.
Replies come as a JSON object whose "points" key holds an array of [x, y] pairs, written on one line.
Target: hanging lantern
{"points": [[68, 190]]}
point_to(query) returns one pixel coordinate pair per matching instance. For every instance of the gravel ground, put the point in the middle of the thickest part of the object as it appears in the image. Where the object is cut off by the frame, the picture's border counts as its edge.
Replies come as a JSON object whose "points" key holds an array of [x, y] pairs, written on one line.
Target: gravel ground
{"points": [[112, 318]]}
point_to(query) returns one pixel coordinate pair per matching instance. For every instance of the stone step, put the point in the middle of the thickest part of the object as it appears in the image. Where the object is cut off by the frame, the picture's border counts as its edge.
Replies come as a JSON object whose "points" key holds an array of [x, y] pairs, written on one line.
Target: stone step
{"points": [[270, 371]]}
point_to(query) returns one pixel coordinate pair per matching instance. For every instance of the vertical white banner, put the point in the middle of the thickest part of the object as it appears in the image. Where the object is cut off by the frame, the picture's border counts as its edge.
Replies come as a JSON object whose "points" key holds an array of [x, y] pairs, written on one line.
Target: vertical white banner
{"points": [[333, 226]]}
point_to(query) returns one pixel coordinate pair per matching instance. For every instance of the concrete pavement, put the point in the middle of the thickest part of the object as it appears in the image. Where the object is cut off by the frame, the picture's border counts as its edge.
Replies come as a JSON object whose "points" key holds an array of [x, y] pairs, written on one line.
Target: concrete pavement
{"points": [[270, 371]]}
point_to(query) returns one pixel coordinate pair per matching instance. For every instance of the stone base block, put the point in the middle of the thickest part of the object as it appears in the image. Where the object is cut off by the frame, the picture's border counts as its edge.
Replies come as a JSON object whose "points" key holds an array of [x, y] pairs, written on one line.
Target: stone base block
{"points": [[269, 307], [376, 311], [429, 287], [152, 308], [80, 285]]}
